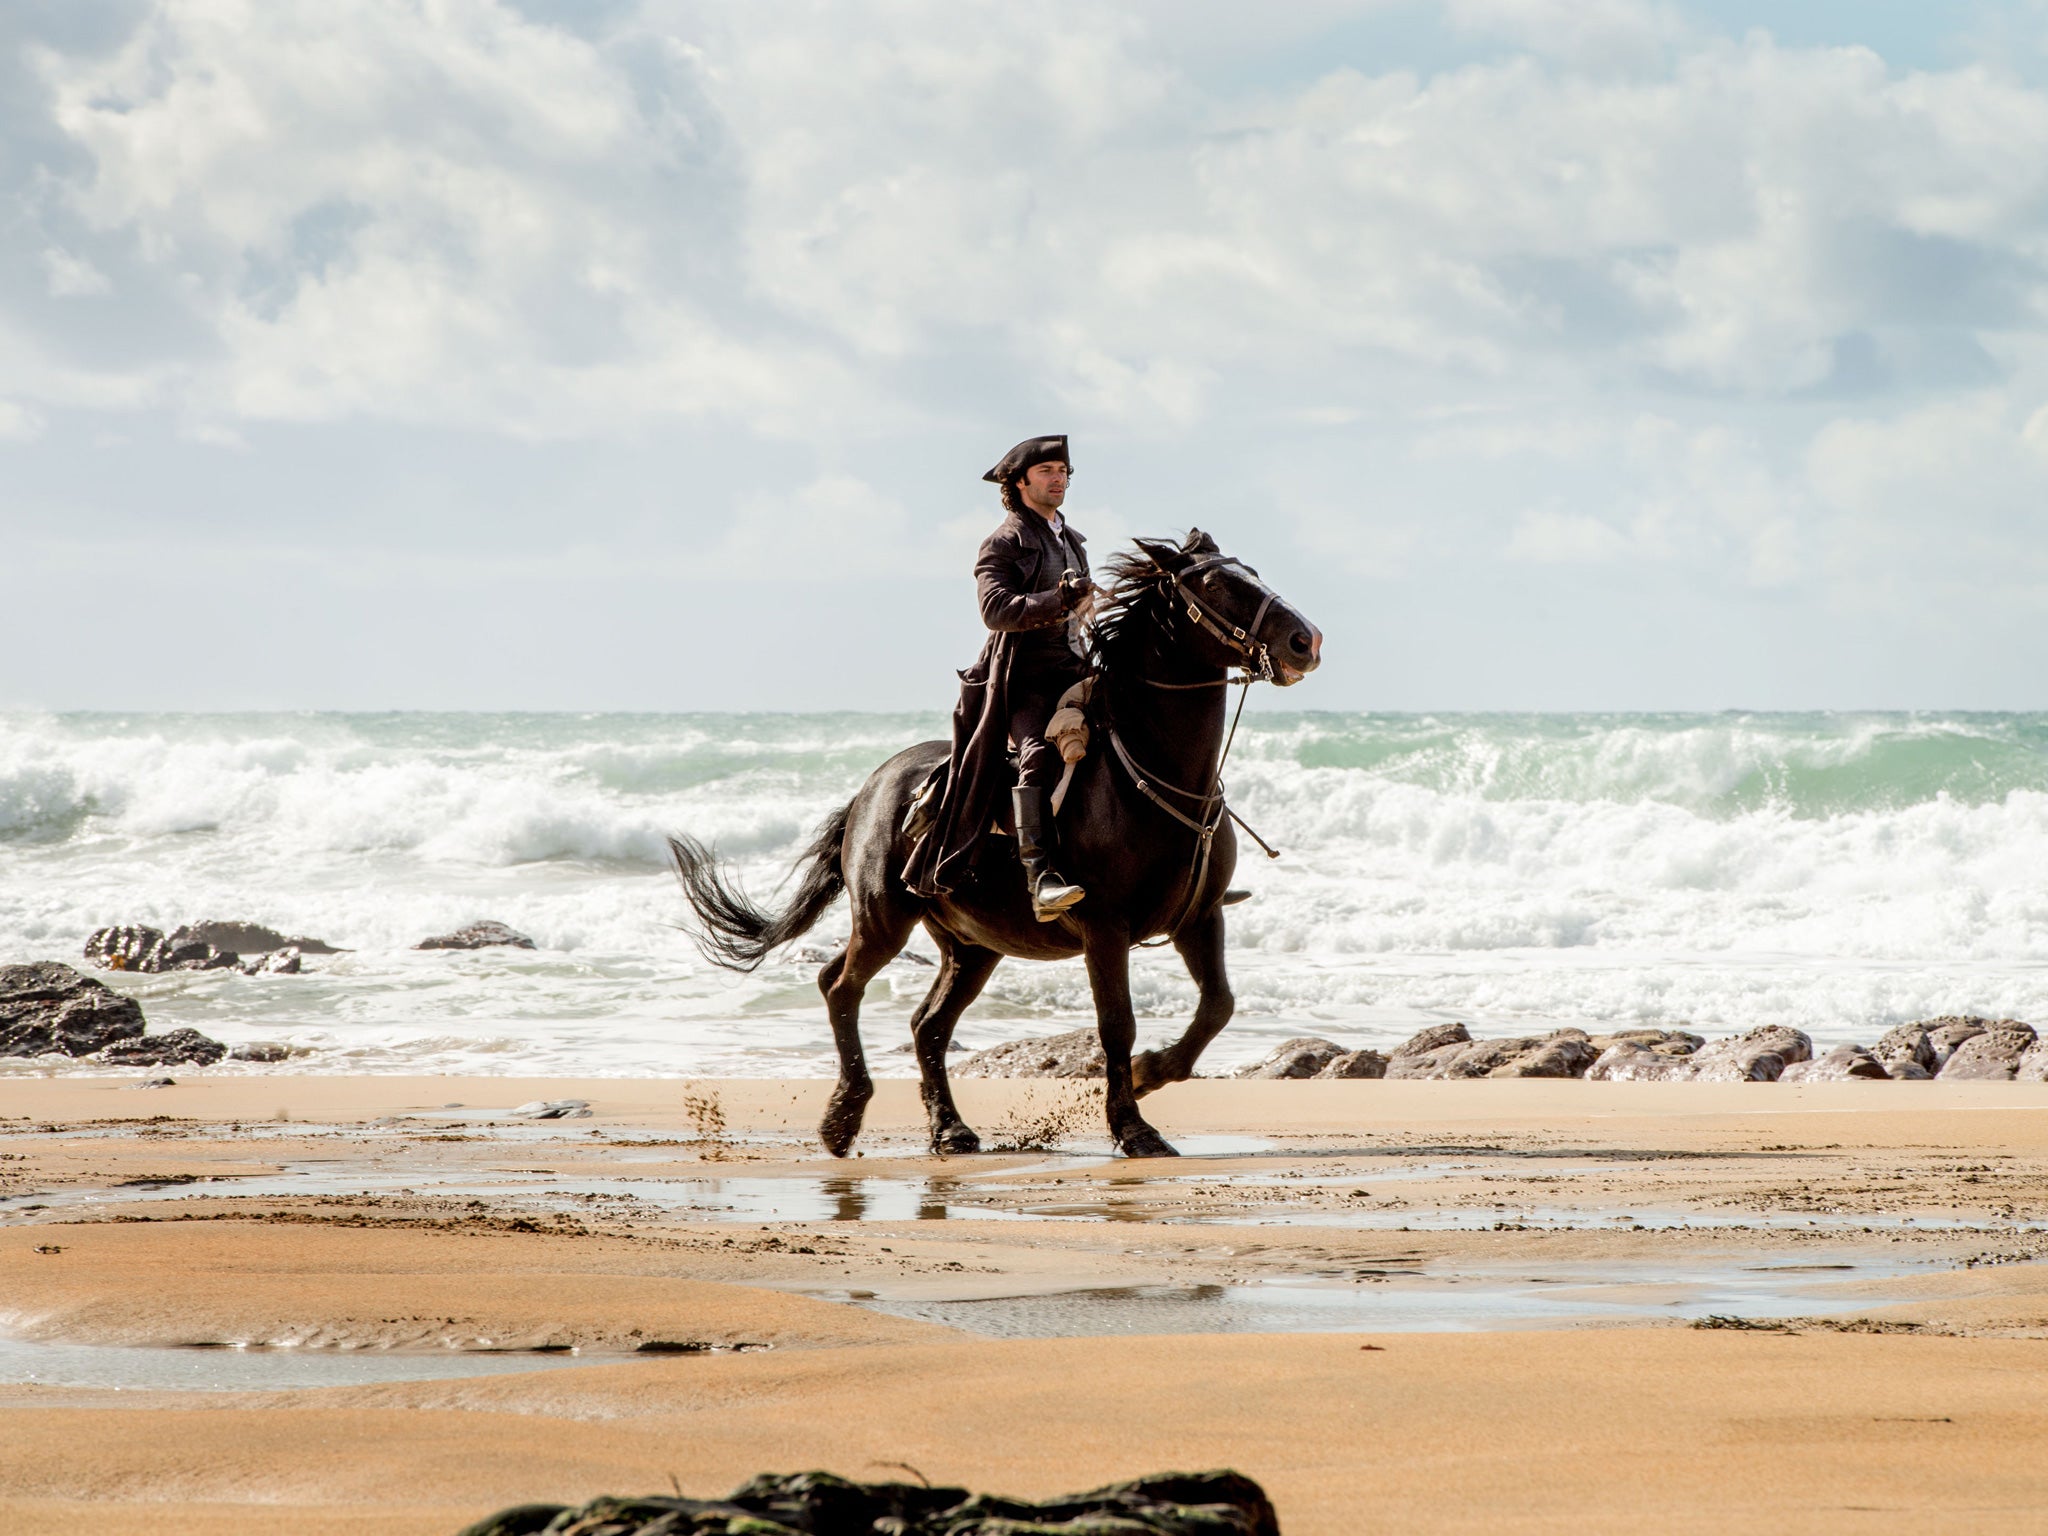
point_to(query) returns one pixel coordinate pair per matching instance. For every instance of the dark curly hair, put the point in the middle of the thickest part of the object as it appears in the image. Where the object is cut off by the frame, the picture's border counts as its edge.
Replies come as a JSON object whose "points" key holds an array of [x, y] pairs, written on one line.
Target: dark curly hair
{"points": [[1013, 501]]}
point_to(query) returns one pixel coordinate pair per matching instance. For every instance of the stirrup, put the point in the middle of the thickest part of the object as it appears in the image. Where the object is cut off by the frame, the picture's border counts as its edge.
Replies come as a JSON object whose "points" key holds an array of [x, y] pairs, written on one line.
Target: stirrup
{"points": [[1051, 896]]}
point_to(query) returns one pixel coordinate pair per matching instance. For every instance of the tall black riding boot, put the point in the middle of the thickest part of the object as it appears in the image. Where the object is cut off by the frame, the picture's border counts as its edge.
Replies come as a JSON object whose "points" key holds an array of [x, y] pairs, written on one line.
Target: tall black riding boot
{"points": [[1050, 895]]}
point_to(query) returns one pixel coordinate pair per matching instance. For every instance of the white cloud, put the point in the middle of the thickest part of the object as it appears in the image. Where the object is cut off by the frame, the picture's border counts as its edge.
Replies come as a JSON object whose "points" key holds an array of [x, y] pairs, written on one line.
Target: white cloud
{"points": [[1551, 536], [70, 276], [19, 424]]}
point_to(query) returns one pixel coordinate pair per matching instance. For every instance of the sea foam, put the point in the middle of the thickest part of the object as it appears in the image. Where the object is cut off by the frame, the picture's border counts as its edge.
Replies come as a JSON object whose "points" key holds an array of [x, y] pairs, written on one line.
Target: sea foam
{"points": [[1834, 872]]}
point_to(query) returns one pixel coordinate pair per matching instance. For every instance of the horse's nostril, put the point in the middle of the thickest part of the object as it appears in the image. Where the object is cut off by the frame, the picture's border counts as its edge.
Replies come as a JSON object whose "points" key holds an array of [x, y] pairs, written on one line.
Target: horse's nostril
{"points": [[1300, 643]]}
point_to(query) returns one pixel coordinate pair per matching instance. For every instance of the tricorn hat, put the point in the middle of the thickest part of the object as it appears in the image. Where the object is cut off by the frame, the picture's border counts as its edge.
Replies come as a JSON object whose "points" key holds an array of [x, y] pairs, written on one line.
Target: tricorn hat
{"points": [[1033, 450]]}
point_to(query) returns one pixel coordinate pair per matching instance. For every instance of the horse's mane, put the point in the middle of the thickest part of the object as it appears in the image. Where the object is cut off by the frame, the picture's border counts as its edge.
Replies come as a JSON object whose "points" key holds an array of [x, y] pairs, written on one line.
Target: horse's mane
{"points": [[1131, 603]]}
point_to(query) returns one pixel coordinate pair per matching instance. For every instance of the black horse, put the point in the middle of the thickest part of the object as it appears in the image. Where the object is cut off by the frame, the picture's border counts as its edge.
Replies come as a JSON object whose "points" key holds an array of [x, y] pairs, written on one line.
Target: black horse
{"points": [[1143, 828]]}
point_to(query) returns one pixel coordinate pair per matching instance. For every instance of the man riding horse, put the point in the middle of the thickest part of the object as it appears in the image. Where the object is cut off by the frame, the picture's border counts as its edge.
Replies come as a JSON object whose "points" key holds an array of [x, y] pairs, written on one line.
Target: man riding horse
{"points": [[1031, 580]]}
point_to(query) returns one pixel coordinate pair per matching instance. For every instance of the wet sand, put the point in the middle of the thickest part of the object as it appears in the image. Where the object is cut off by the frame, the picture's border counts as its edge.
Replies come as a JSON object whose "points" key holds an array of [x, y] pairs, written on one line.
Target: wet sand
{"points": [[1412, 1306]]}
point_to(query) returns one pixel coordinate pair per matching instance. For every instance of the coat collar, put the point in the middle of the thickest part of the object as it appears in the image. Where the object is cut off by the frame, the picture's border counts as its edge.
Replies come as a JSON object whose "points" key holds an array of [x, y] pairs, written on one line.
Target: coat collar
{"points": [[1031, 525]]}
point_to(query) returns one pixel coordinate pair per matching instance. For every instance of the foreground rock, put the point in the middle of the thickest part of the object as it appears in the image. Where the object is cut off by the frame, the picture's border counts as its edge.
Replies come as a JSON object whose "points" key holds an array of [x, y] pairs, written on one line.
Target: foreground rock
{"points": [[1077, 1053], [488, 934], [819, 1504], [1759, 1056], [247, 938], [48, 1009]]}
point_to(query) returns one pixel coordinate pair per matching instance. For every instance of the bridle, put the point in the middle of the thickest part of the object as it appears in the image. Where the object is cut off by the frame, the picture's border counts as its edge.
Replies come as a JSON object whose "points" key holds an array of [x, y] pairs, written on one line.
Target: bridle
{"points": [[1258, 656], [1209, 807]]}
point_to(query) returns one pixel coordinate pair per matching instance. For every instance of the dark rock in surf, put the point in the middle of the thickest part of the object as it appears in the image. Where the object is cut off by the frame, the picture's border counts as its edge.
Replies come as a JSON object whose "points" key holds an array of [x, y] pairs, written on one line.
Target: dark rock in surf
{"points": [[1844, 1063], [1303, 1056], [49, 1009], [175, 1048], [1354, 1064], [247, 938], [279, 962], [1992, 1056], [1077, 1053], [820, 1504], [488, 934], [262, 1051], [135, 947]]}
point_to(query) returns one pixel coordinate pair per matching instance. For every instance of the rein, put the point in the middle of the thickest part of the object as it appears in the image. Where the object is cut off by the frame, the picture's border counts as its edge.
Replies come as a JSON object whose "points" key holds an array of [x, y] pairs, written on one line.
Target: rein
{"points": [[1209, 806]]}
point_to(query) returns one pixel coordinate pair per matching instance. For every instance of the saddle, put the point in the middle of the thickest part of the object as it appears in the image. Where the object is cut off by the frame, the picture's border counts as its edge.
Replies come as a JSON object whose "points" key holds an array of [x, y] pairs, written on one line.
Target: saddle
{"points": [[1067, 730]]}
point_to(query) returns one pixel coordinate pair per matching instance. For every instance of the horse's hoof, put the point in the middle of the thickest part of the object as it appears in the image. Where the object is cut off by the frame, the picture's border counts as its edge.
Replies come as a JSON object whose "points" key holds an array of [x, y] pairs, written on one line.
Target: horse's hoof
{"points": [[955, 1141], [843, 1115], [1145, 1142]]}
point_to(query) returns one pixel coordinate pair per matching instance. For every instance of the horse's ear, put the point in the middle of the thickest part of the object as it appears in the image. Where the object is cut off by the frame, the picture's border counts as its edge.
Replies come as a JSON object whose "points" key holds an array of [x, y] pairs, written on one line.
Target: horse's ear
{"points": [[1198, 543], [1161, 552]]}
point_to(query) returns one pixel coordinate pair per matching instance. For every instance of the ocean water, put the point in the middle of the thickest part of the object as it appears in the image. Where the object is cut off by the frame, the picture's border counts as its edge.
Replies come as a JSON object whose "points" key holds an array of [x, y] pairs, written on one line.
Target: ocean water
{"points": [[1835, 872]]}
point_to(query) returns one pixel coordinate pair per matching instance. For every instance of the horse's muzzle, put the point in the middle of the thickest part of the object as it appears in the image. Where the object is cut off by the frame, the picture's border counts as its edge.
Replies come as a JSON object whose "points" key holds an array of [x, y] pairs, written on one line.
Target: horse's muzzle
{"points": [[1297, 656]]}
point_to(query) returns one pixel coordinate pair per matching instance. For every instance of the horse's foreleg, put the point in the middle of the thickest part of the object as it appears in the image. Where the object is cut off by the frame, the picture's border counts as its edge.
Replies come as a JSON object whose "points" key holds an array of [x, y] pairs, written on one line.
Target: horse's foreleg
{"points": [[1201, 949], [1109, 974], [844, 980], [964, 969]]}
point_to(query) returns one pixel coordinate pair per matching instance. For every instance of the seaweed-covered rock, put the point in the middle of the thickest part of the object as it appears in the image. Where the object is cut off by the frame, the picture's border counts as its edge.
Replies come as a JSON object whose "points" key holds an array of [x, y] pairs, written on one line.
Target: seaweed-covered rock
{"points": [[1303, 1056], [262, 1050], [1843, 1063], [176, 1048], [1077, 1053], [489, 934], [819, 1504], [50, 1009], [1992, 1056], [247, 938], [1355, 1064]]}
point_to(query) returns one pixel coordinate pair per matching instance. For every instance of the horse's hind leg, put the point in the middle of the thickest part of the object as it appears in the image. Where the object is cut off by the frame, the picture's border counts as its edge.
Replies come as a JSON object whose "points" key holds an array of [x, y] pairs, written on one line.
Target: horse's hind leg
{"points": [[964, 969], [877, 937], [1201, 949]]}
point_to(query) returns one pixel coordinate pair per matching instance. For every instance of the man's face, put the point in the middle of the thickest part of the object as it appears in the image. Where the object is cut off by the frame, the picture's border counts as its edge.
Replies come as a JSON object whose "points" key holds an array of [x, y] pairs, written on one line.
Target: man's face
{"points": [[1044, 487]]}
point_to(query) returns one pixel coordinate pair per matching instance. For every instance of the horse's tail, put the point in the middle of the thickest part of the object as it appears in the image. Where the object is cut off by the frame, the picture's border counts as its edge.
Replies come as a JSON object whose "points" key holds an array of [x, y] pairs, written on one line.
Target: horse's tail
{"points": [[730, 930]]}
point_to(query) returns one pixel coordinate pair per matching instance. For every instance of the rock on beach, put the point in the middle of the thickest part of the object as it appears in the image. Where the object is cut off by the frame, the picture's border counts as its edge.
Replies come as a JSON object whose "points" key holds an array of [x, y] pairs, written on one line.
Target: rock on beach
{"points": [[247, 938], [1077, 1053]]}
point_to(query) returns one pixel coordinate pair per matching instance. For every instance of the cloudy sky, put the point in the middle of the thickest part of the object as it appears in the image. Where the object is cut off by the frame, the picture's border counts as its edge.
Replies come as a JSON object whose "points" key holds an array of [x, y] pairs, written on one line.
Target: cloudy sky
{"points": [[584, 354]]}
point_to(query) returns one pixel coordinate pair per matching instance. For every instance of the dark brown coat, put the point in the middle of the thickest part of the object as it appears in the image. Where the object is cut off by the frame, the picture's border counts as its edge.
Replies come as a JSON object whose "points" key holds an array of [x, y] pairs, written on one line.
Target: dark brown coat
{"points": [[1017, 583]]}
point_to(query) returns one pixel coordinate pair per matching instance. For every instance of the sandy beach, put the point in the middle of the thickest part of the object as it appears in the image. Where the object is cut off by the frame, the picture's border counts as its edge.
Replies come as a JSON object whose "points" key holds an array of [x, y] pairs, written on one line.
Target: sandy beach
{"points": [[1400, 1306]]}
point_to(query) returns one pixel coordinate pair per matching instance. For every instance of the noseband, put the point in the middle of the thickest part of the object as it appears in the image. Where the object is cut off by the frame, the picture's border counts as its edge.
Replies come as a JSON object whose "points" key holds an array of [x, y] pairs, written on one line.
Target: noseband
{"points": [[1258, 657]]}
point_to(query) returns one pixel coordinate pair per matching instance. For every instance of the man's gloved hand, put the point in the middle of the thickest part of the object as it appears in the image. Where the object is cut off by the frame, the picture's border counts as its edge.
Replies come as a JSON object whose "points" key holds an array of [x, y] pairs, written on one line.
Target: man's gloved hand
{"points": [[1074, 586]]}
